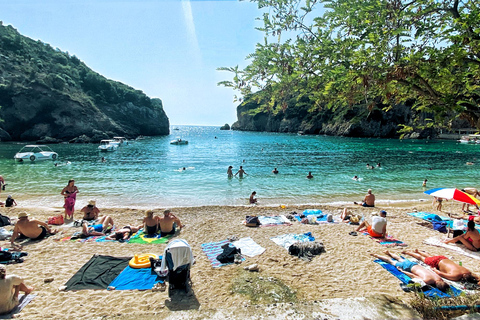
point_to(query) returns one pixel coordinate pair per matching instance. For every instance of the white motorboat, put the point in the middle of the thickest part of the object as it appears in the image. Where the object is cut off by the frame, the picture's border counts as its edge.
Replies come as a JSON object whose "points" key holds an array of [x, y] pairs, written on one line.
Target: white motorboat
{"points": [[34, 152], [108, 145], [120, 140], [179, 141]]}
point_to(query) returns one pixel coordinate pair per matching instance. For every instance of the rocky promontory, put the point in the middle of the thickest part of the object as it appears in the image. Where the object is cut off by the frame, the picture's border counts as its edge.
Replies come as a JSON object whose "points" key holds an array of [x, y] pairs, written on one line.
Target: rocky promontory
{"points": [[50, 95]]}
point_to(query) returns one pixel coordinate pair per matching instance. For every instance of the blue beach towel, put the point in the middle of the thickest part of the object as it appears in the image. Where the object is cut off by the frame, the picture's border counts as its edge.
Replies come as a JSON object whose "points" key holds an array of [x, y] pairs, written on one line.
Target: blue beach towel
{"points": [[430, 293], [135, 279]]}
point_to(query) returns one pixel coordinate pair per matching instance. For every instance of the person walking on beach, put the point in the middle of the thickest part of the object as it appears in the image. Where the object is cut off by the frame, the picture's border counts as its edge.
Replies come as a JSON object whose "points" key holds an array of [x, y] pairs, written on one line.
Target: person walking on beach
{"points": [[10, 287], [444, 267], [229, 172], [413, 270], [70, 195], [474, 193], [168, 222], [240, 172], [30, 228], [378, 229], [253, 200], [471, 238], [90, 211], [369, 200]]}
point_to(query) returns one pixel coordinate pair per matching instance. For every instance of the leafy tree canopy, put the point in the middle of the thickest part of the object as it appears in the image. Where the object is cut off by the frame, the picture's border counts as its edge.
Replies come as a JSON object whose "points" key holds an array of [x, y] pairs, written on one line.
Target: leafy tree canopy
{"points": [[369, 51]]}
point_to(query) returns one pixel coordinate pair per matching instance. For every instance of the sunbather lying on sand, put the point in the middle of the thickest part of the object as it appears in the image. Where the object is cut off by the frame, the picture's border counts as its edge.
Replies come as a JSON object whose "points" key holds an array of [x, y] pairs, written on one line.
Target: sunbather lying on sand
{"points": [[123, 234], [413, 270], [471, 238], [100, 229], [445, 267]]}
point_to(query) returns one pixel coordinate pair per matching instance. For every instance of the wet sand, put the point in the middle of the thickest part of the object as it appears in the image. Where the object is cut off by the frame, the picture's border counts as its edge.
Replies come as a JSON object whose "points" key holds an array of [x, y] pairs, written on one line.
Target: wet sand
{"points": [[344, 273]]}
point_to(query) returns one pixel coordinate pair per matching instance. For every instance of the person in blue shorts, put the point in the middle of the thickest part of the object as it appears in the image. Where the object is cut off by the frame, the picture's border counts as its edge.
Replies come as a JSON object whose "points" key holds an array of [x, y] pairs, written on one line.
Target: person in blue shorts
{"points": [[104, 225]]}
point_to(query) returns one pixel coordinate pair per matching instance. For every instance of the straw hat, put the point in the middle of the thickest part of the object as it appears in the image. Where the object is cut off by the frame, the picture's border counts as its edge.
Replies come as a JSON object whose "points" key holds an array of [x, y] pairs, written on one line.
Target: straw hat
{"points": [[354, 219], [92, 202], [22, 215]]}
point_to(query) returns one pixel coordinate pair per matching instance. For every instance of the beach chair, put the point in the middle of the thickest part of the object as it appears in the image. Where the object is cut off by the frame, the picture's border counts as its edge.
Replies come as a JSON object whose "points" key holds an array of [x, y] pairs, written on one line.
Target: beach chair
{"points": [[176, 263]]}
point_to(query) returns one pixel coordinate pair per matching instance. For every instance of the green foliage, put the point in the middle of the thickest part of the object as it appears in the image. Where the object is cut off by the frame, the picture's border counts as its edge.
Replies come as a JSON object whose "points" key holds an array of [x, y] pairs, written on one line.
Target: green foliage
{"points": [[364, 50]]}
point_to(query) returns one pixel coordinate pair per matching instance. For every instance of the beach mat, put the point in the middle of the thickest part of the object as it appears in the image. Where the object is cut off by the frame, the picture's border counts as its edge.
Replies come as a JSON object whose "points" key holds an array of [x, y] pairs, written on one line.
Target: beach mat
{"points": [[273, 221], [427, 216], [286, 240], [459, 248], [248, 247], [23, 300], [432, 292], [389, 241], [87, 239], [143, 238], [135, 279], [212, 250], [97, 273]]}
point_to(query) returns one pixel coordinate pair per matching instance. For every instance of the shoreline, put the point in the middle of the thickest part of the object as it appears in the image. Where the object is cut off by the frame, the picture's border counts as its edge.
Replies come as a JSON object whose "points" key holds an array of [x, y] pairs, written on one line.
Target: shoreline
{"points": [[345, 272]]}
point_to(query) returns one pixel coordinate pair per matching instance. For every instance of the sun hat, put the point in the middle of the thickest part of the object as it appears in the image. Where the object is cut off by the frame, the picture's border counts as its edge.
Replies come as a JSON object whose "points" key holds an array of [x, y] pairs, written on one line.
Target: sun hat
{"points": [[22, 215], [9, 197], [92, 202], [354, 219]]}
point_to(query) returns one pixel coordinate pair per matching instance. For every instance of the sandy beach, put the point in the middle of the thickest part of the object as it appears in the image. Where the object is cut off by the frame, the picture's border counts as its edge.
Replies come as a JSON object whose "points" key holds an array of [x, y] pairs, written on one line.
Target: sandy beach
{"points": [[344, 273]]}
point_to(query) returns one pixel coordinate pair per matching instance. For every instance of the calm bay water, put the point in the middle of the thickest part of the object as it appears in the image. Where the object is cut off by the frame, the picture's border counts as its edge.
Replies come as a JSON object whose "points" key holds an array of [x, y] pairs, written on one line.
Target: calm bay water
{"points": [[148, 173]]}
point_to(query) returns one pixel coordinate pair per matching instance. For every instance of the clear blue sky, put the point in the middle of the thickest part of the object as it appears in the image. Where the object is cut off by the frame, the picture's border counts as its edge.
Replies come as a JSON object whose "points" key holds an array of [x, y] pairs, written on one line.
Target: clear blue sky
{"points": [[169, 49]]}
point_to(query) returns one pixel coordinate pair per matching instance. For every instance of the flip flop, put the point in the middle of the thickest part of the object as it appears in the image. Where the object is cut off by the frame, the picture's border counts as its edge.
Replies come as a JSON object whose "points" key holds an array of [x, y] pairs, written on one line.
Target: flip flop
{"points": [[353, 233]]}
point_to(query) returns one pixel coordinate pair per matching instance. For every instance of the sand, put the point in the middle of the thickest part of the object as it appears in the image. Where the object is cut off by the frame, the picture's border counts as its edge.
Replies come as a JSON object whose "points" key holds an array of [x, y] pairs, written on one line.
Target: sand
{"points": [[344, 273]]}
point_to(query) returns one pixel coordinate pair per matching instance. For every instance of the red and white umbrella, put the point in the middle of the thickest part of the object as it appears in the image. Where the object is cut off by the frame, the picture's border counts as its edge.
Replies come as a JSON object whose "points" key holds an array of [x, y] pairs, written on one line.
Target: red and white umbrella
{"points": [[453, 194]]}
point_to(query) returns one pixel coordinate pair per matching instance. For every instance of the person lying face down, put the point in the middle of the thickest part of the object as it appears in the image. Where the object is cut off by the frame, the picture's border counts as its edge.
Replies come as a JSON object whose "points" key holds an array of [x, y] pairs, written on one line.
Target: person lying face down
{"points": [[445, 267], [413, 270]]}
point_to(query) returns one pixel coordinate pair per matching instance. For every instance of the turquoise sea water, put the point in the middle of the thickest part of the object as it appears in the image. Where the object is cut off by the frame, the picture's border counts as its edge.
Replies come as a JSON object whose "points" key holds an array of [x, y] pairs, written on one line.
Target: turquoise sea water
{"points": [[147, 173]]}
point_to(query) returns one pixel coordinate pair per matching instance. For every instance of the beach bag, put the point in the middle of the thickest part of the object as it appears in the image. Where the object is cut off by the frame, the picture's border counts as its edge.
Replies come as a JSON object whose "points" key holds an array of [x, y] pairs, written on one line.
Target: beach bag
{"points": [[252, 221], [57, 220], [5, 256], [4, 221], [440, 226], [228, 254]]}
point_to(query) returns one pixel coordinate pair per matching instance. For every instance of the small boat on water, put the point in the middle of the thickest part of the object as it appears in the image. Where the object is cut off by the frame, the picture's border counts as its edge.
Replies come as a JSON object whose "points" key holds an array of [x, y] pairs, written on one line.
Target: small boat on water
{"points": [[35, 152], [179, 141], [176, 129], [120, 140], [108, 146]]}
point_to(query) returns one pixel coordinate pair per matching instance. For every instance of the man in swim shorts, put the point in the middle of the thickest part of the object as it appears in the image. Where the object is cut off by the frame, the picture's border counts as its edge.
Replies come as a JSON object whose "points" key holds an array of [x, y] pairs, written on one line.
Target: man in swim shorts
{"points": [[104, 225], [378, 229], [369, 200], [30, 228], [414, 270], [168, 222], [445, 267]]}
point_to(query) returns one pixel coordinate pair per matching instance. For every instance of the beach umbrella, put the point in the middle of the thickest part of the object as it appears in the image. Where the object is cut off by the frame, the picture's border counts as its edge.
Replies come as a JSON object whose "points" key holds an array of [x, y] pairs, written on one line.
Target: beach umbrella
{"points": [[453, 194]]}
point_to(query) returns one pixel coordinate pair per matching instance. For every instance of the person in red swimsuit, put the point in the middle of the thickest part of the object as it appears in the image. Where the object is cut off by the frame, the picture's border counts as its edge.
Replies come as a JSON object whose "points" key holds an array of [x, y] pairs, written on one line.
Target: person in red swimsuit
{"points": [[445, 267], [471, 238]]}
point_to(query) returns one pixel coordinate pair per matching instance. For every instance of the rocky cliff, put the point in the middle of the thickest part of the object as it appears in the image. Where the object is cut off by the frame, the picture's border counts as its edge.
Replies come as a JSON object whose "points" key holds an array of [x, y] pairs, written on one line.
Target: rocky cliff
{"points": [[51, 95]]}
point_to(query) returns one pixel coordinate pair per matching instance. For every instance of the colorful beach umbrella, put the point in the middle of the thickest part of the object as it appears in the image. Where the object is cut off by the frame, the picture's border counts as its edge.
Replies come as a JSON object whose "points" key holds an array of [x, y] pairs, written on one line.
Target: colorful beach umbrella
{"points": [[453, 194]]}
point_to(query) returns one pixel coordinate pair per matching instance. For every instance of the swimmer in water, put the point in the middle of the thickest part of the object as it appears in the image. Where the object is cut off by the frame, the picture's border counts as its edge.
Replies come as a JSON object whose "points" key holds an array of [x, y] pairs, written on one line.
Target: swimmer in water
{"points": [[229, 172], [424, 183], [309, 176], [275, 171], [378, 165], [355, 178], [241, 172]]}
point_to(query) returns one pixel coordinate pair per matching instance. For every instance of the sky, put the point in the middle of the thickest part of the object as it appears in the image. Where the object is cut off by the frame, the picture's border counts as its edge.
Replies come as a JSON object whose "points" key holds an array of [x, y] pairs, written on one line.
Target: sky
{"points": [[169, 49]]}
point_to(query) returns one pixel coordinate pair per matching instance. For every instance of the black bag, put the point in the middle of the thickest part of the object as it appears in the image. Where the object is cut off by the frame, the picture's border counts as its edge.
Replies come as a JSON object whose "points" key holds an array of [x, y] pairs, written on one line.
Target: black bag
{"points": [[4, 221], [5, 256], [228, 254], [252, 221], [178, 279]]}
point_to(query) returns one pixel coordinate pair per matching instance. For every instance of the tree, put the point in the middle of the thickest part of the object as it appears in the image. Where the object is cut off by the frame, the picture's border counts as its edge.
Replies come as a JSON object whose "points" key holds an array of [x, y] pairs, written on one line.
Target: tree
{"points": [[369, 52]]}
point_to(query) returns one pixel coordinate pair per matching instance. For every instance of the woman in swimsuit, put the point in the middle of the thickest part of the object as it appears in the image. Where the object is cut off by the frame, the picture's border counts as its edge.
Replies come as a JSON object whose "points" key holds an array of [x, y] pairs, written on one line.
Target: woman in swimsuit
{"points": [[90, 211], [150, 223], [70, 195], [123, 234], [471, 238]]}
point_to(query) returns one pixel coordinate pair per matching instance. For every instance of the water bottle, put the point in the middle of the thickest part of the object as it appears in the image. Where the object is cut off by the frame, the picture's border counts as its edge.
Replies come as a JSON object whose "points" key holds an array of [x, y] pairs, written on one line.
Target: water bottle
{"points": [[460, 263]]}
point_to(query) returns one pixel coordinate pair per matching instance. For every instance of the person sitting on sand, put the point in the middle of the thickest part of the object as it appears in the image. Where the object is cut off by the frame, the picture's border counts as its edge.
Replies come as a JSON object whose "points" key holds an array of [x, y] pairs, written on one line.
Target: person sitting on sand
{"points": [[413, 270], [90, 211], [168, 223], [309, 176], [150, 223], [445, 267], [10, 287], [470, 239], [104, 225], [369, 200], [253, 200], [378, 229], [123, 234], [10, 202], [30, 228]]}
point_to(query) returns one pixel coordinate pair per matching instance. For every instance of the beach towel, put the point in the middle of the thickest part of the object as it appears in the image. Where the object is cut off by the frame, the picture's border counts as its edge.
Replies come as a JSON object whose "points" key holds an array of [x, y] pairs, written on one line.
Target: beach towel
{"points": [[212, 250], [286, 240], [249, 247], [97, 273], [143, 238], [87, 239], [389, 241], [431, 217], [270, 221], [23, 300], [70, 204], [135, 279], [432, 292], [459, 248]]}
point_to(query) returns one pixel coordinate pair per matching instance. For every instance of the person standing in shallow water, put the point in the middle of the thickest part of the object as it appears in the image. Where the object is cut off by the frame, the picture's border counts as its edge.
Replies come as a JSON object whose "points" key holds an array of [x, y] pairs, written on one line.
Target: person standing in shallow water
{"points": [[309, 176], [241, 172], [275, 171], [229, 172]]}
